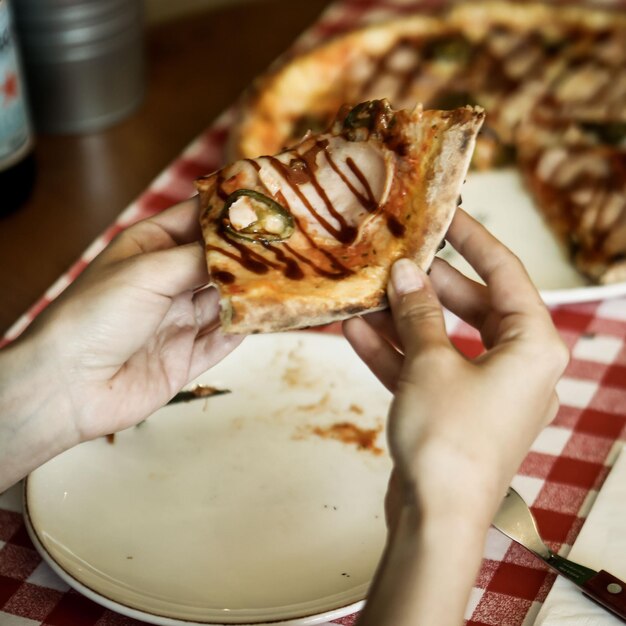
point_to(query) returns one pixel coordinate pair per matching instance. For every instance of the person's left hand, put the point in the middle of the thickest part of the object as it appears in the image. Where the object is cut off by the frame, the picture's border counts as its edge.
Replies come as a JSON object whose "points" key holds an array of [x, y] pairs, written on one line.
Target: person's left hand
{"points": [[137, 325]]}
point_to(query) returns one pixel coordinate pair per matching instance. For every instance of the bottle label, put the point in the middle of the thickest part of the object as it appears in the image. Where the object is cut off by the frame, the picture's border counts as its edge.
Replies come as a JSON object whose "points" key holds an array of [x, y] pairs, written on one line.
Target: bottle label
{"points": [[15, 131]]}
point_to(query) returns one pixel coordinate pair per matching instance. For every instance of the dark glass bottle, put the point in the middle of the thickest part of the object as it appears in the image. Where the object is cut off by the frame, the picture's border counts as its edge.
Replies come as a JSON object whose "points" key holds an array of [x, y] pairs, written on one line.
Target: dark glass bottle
{"points": [[17, 163]]}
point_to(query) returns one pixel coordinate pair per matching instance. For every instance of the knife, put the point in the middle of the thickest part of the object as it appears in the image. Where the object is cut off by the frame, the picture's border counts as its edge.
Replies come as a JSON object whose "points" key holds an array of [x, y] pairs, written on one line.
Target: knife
{"points": [[515, 520], [198, 392]]}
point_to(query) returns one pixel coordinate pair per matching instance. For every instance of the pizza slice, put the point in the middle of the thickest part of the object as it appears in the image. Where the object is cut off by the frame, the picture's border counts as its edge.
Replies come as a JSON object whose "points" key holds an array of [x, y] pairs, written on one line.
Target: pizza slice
{"points": [[308, 236]]}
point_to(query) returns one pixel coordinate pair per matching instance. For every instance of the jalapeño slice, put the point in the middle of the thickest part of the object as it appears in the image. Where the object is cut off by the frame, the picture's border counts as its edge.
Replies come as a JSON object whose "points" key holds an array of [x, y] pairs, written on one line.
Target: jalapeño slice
{"points": [[273, 222]]}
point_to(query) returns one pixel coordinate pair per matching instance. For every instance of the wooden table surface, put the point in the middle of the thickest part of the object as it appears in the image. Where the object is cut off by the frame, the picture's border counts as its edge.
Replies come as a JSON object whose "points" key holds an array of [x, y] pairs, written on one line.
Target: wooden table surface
{"points": [[197, 66]]}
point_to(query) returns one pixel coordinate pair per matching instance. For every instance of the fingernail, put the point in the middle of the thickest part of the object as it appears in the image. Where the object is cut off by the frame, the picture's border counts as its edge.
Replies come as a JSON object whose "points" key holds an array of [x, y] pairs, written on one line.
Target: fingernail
{"points": [[406, 277]]}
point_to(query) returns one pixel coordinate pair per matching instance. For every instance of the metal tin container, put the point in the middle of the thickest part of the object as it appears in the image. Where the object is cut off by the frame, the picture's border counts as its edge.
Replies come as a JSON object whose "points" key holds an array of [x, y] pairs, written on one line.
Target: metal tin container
{"points": [[83, 60]]}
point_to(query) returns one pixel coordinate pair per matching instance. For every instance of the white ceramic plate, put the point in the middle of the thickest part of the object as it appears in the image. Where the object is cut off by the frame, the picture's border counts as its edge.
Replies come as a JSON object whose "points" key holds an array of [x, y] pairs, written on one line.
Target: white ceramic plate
{"points": [[233, 509], [499, 200]]}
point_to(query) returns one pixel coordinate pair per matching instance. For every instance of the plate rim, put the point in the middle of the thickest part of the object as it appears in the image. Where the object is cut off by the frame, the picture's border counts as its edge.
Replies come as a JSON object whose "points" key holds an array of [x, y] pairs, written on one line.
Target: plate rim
{"points": [[582, 294], [155, 618]]}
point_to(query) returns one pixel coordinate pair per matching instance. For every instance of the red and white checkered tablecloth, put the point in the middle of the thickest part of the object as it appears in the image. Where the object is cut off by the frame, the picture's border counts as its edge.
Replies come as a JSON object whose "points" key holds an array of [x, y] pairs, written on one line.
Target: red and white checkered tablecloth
{"points": [[560, 477]]}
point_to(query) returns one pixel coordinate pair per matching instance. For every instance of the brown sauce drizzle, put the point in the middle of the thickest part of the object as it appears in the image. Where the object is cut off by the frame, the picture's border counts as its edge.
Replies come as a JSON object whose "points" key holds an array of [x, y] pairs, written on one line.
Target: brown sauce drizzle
{"points": [[248, 255], [394, 226], [369, 203], [254, 164], [257, 265], [219, 190], [368, 190], [345, 233], [348, 233], [223, 277], [299, 171], [466, 67], [425, 53], [291, 268], [307, 158], [341, 272]]}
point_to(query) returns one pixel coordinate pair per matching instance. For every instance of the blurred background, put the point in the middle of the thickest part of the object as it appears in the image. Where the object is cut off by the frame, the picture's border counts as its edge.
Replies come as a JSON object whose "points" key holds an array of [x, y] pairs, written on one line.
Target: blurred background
{"points": [[160, 10], [177, 69]]}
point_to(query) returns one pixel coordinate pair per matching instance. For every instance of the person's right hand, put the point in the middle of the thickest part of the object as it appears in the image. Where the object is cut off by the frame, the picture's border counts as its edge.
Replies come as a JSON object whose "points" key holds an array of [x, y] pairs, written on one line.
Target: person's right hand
{"points": [[458, 425], [458, 428]]}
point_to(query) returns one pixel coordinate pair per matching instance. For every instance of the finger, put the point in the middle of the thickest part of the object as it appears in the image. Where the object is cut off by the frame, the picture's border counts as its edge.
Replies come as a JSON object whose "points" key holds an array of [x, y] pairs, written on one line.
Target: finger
{"points": [[383, 360], [382, 322], [416, 309], [174, 226], [181, 222], [511, 289], [210, 349], [168, 272], [460, 294], [207, 308]]}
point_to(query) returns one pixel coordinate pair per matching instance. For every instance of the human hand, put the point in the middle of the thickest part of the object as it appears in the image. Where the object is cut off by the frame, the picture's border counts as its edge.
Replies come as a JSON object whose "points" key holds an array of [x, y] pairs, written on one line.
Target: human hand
{"points": [[135, 327], [459, 428]]}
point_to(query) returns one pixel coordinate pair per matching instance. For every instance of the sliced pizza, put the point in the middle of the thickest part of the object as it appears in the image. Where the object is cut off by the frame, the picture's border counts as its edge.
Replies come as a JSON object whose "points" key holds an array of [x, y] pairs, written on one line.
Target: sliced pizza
{"points": [[308, 236]]}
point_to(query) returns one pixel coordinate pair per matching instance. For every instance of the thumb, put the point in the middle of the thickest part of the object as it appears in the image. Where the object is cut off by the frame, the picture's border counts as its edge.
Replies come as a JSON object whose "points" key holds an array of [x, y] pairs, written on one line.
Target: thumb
{"points": [[417, 313]]}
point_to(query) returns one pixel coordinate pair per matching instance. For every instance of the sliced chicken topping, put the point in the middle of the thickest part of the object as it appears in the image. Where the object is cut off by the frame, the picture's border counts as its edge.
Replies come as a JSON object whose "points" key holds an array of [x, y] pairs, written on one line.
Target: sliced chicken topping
{"points": [[242, 213], [331, 185]]}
